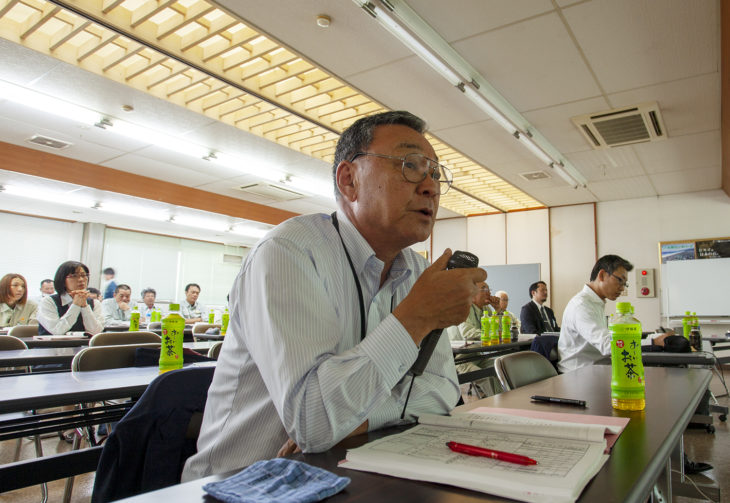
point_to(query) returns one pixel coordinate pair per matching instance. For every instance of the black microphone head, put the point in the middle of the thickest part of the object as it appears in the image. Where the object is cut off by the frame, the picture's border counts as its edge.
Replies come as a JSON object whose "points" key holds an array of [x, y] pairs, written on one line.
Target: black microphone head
{"points": [[462, 259]]}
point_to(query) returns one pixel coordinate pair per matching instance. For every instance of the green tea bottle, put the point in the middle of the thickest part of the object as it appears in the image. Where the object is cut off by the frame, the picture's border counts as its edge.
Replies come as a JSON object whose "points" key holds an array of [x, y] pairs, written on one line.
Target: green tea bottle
{"points": [[211, 317], [485, 328], [171, 351], [686, 325], [627, 369], [494, 330], [224, 321], [134, 320], [506, 325]]}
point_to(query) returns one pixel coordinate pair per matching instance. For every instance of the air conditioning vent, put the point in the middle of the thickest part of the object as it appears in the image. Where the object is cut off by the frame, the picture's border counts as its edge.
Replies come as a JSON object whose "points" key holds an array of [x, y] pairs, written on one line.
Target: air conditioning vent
{"points": [[232, 259], [271, 191], [622, 126], [45, 141], [535, 175]]}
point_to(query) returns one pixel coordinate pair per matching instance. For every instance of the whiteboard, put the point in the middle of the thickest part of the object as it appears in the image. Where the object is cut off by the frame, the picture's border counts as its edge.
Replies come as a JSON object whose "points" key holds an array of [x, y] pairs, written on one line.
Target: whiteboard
{"points": [[515, 279], [696, 285]]}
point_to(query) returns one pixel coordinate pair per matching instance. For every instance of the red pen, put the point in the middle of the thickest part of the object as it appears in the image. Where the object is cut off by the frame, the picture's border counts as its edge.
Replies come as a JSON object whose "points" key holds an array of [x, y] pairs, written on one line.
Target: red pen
{"points": [[473, 450]]}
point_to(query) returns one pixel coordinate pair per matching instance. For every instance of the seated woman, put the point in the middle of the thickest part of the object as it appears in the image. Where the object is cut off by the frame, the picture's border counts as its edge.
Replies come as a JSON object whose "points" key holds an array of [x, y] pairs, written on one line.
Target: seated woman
{"points": [[70, 309], [15, 308]]}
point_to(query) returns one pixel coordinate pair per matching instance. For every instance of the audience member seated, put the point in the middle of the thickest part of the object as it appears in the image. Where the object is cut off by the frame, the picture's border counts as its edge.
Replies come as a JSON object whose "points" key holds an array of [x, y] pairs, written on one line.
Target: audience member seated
{"points": [[149, 295], [94, 293], [110, 285], [471, 330], [15, 308], [192, 310], [70, 310], [585, 337], [502, 309], [536, 317], [298, 370], [116, 311], [46, 290]]}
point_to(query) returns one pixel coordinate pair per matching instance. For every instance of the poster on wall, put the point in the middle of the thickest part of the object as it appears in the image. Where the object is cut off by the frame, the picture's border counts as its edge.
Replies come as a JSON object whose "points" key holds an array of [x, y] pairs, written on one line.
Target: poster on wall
{"points": [[712, 248], [677, 251]]}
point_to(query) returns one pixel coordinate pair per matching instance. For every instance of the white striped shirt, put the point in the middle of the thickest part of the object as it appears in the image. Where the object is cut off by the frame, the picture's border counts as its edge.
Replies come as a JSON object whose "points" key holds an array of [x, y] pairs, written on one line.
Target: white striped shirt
{"points": [[293, 365]]}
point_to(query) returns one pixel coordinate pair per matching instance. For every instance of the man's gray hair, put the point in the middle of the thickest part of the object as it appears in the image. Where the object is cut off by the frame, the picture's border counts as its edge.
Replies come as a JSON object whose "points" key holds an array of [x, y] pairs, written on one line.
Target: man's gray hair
{"points": [[359, 136]]}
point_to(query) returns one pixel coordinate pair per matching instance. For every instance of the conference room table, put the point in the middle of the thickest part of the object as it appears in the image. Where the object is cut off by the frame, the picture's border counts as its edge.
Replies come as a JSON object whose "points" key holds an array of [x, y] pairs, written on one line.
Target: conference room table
{"points": [[40, 356], [640, 459]]}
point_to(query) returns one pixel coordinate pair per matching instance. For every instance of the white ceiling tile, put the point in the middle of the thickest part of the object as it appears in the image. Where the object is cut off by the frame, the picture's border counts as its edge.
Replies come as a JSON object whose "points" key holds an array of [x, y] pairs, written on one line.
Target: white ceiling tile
{"points": [[410, 84], [22, 66], [602, 165], [169, 172], [623, 188], [475, 16], [686, 152], [687, 106], [634, 43], [534, 64], [563, 195], [689, 180]]}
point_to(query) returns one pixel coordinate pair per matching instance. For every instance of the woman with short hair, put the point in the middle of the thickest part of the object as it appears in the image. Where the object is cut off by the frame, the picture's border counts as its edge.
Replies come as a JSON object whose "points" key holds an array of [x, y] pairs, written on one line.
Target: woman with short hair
{"points": [[15, 308], [70, 309]]}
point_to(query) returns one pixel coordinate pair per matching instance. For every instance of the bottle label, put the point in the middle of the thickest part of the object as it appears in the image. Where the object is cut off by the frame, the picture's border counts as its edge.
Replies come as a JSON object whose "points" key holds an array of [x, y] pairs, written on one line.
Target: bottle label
{"points": [[627, 376]]}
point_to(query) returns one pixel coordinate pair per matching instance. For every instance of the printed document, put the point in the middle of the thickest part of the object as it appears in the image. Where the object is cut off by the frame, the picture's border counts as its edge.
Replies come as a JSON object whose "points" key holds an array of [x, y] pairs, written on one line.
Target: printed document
{"points": [[568, 455]]}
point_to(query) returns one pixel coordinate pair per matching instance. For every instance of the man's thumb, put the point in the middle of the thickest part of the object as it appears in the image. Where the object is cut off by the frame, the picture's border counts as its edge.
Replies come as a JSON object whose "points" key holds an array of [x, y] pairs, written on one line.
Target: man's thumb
{"points": [[442, 261]]}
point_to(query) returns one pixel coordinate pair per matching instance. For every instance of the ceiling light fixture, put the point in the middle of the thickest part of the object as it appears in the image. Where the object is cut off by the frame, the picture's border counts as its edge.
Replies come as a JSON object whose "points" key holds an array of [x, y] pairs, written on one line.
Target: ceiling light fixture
{"points": [[55, 106], [408, 27], [58, 197]]}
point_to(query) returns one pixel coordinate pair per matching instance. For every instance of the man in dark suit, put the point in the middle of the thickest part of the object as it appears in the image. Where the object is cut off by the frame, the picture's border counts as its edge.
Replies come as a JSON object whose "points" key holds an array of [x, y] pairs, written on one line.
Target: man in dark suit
{"points": [[535, 317]]}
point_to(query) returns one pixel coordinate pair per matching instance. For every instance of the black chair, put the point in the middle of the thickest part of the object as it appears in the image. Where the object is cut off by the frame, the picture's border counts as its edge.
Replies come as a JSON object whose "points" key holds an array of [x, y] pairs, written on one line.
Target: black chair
{"points": [[149, 446]]}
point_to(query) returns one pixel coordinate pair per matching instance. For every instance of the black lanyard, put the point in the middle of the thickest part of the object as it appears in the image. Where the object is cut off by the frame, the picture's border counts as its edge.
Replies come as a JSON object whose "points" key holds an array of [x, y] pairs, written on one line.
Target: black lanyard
{"points": [[363, 321]]}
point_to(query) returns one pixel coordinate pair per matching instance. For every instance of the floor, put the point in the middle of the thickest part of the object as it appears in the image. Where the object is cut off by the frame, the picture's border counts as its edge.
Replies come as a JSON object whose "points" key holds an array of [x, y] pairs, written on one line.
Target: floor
{"points": [[699, 445]]}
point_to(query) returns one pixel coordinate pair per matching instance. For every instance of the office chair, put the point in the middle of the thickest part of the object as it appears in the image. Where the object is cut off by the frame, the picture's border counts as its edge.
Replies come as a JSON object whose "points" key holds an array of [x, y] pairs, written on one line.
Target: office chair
{"points": [[117, 338], [215, 350], [547, 346], [149, 446], [107, 357], [518, 369], [9, 342]]}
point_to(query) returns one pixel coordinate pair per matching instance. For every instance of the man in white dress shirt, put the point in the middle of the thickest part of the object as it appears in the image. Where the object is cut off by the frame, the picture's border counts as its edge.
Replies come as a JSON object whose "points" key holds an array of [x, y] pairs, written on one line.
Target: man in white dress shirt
{"points": [[584, 336], [297, 368]]}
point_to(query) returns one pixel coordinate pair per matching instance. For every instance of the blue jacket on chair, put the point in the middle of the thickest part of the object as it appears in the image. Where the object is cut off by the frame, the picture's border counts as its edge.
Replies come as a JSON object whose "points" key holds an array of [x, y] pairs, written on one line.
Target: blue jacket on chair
{"points": [[147, 448]]}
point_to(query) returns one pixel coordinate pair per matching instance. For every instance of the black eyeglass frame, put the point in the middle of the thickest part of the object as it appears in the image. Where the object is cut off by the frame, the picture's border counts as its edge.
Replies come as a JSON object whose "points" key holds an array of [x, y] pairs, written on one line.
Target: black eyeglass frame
{"points": [[435, 167]]}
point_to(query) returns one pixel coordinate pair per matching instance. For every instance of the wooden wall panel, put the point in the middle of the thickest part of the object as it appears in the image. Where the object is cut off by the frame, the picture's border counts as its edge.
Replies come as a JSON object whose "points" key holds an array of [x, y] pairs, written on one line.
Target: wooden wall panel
{"points": [[55, 167]]}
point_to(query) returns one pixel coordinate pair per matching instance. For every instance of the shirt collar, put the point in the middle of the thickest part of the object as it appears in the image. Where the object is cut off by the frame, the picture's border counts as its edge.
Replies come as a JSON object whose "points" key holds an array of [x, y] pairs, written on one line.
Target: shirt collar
{"points": [[593, 296], [66, 299], [366, 264], [5, 308], [537, 304]]}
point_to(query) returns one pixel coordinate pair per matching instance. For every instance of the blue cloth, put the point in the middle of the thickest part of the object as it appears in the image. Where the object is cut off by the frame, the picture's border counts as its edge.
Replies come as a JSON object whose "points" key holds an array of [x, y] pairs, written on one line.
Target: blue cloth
{"points": [[277, 480]]}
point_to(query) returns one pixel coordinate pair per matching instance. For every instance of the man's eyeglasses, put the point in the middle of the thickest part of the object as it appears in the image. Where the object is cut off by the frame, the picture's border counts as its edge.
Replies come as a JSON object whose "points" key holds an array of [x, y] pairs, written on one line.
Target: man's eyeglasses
{"points": [[415, 167], [77, 276], [623, 283]]}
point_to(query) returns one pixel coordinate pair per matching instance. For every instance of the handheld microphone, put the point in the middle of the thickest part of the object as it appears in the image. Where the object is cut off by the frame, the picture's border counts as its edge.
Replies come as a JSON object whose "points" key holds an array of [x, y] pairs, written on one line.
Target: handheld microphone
{"points": [[460, 259]]}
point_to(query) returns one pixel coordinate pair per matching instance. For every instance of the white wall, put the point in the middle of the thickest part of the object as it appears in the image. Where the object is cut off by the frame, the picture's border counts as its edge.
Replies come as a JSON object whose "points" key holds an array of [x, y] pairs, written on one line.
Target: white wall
{"points": [[35, 247], [572, 252], [631, 228]]}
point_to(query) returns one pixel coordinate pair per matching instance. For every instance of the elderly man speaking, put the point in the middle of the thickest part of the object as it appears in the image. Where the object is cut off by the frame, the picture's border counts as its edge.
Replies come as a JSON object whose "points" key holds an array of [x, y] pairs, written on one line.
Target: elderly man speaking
{"points": [[328, 311]]}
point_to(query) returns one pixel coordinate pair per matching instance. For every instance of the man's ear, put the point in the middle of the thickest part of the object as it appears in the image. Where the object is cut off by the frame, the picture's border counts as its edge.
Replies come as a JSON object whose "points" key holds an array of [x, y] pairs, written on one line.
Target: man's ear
{"points": [[346, 180]]}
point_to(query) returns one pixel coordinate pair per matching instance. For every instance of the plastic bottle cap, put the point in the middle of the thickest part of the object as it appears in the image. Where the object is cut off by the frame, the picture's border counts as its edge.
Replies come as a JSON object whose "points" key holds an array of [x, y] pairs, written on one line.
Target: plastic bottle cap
{"points": [[623, 307], [174, 307]]}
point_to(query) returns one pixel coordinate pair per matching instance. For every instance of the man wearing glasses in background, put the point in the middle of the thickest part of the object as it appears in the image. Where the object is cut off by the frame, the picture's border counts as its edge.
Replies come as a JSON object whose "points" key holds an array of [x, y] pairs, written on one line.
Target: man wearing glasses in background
{"points": [[584, 336], [298, 370]]}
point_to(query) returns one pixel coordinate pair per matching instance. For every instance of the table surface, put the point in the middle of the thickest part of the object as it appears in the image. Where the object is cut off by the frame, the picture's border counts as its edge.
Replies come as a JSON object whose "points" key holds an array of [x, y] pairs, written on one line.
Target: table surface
{"points": [[38, 356], [35, 391], [636, 461], [476, 347]]}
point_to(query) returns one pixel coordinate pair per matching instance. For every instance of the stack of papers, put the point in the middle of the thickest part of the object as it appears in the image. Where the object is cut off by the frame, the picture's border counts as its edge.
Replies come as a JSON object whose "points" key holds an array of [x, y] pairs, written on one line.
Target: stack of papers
{"points": [[568, 455]]}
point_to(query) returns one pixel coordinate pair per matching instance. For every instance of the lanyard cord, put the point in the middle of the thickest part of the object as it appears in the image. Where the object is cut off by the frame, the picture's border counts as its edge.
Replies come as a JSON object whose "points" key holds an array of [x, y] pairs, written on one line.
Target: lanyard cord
{"points": [[363, 323], [354, 275]]}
